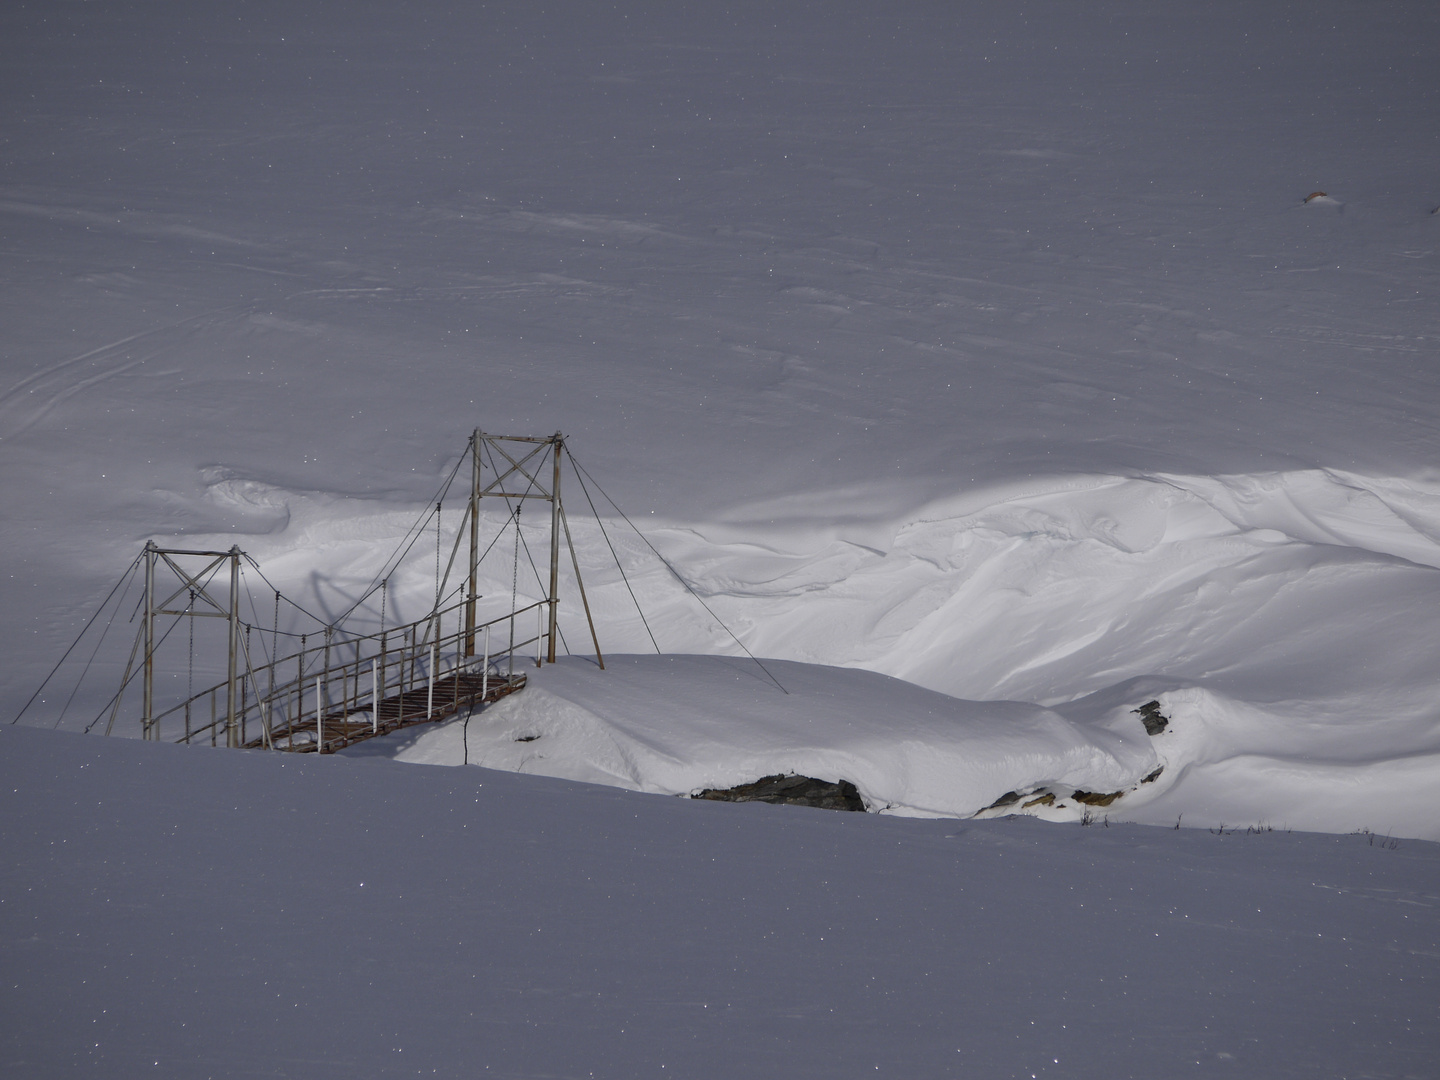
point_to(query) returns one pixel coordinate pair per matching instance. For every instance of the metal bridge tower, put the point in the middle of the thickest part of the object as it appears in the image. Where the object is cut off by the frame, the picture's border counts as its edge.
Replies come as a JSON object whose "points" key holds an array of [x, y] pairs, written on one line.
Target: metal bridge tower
{"points": [[521, 466], [193, 584]]}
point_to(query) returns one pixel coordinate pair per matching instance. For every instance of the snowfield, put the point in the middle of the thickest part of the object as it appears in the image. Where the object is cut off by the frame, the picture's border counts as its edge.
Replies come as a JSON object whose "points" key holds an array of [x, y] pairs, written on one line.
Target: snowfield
{"points": [[986, 368], [180, 912], [1274, 616]]}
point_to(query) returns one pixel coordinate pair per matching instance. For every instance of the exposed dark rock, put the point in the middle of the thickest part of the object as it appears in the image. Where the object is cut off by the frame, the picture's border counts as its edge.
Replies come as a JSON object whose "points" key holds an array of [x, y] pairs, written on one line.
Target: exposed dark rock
{"points": [[792, 790], [1095, 798], [1040, 796], [527, 738], [1150, 715], [1010, 798]]}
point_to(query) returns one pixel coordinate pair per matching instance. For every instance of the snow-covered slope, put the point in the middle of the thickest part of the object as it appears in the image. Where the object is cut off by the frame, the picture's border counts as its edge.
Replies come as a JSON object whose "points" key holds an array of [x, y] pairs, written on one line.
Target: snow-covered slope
{"points": [[995, 348], [1289, 619], [176, 912]]}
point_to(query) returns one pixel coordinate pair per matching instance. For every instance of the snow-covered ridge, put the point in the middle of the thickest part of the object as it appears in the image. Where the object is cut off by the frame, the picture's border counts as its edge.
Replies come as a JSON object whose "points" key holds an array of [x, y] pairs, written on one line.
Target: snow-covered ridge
{"points": [[1274, 617], [679, 724], [676, 725], [1041, 592], [1056, 589], [945, 656]]}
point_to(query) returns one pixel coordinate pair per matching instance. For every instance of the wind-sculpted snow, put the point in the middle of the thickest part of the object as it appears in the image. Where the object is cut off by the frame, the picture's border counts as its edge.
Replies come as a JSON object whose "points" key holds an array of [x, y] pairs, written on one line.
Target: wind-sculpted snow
{"points": [[1277, 618], [1287, 585], [1273, 617], [681, 724]]}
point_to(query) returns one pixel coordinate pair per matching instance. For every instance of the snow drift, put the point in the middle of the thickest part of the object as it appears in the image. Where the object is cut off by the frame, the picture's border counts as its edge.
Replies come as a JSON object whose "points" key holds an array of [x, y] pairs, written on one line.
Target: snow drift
{"points": [[1275, 618]]}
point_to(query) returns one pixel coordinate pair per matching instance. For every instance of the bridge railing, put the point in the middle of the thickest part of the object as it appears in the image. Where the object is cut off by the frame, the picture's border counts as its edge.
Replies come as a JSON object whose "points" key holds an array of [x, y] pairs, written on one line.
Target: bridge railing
{"points": [[341, 676]]}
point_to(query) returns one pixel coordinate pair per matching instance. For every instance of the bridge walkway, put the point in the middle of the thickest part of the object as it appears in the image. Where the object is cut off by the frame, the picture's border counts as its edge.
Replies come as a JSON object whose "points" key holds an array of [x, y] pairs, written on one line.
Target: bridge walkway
{"points": [[338, 728]]}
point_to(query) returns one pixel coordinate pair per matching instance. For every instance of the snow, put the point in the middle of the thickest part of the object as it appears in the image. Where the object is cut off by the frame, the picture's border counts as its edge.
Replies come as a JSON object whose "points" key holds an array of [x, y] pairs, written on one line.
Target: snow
{"points": [[983, 367], [170, 911], [677, 725], [680, 724]]}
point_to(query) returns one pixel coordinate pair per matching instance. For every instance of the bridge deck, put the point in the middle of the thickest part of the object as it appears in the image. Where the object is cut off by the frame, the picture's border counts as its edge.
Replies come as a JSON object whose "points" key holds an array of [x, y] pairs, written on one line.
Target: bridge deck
{"points": [[343, 727]]}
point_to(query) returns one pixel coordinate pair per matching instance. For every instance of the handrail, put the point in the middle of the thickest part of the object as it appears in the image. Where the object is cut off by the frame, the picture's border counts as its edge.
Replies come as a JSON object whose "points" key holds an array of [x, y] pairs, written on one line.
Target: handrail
{"points": [[350, 642], [393, 668]]}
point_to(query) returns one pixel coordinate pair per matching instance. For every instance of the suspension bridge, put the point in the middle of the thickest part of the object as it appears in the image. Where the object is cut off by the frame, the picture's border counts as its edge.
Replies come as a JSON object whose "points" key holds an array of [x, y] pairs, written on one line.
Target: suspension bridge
{"points": [[344, 680], [347, 686], [353, 677]]}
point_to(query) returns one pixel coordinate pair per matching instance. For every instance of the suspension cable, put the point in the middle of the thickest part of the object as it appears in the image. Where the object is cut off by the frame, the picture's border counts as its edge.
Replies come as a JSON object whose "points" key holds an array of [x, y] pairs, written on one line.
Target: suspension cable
{"points": [[190, 669], [615, 555], [124, 578], [155, 647], [255, 612], [418, 528], [437, 557], [578, 473], [86, 669], [540, 583], [134, 674], [276, 589]]}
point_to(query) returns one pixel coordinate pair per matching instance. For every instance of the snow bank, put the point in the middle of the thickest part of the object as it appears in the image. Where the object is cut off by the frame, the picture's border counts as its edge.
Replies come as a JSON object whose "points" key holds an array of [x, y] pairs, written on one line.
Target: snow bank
{"points": [[1275, 617], [679, 724], [1058, 588]]}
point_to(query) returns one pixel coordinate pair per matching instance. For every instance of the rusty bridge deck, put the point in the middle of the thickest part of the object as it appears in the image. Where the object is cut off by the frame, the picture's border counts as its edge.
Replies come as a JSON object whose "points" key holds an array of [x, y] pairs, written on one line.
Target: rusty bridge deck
{"points": [[336, 729]]}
